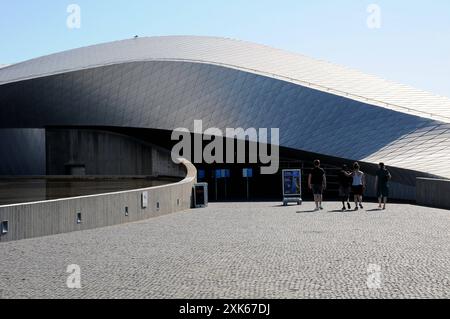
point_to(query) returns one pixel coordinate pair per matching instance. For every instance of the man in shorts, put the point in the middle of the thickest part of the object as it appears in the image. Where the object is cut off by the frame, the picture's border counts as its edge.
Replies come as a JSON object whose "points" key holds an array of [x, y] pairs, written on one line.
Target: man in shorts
{"points": [[317, 183], [382, 184]]}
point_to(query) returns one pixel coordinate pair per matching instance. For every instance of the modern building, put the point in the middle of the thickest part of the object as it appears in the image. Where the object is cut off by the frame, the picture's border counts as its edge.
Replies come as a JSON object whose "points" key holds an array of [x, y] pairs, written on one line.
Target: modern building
{"points": [[90, 110]]}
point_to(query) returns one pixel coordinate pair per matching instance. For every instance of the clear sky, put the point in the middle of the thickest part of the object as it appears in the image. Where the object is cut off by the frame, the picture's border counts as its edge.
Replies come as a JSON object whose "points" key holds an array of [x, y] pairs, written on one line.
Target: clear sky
{"points": [[411, 46]]}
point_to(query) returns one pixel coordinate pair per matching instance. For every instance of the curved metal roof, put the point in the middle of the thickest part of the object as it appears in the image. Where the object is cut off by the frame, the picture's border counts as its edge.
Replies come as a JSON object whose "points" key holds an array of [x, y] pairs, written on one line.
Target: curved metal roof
{"points": [[244, 56]]}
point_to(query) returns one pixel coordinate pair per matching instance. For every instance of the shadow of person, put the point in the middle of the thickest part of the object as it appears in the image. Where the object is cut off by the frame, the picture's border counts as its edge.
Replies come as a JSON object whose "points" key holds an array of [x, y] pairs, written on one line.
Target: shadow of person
{"points": [[306, 211], [339, 211]]}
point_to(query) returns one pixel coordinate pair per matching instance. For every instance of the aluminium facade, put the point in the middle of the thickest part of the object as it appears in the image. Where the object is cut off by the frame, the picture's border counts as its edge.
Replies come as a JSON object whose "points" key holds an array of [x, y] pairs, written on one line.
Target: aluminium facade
{"points": [[168, 82]]}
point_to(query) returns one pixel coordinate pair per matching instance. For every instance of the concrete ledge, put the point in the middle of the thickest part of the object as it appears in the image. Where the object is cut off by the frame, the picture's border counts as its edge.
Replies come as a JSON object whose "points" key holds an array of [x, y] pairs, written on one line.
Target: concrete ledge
{"points": [[61, 216], [433, 192]]}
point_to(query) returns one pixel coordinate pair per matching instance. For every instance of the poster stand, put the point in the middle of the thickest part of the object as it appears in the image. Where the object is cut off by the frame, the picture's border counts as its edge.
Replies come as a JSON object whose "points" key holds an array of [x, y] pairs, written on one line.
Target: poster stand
{"points": [[200, 195], [292, 187]]}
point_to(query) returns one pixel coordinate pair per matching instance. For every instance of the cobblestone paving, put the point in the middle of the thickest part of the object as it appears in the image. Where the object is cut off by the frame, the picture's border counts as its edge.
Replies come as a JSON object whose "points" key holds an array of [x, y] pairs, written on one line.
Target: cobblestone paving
{"points": [[258, 250]]}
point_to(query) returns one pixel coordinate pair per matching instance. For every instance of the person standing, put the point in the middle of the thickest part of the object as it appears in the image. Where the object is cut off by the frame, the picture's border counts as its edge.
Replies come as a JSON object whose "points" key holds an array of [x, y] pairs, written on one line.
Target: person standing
{"points": [[317, 183], [382, 185], [345, 180], [358, 185]]}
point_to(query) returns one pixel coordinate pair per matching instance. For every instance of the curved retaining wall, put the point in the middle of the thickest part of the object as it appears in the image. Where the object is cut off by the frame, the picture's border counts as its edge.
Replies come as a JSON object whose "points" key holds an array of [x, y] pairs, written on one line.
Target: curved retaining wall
{"points": [[61, 216]]}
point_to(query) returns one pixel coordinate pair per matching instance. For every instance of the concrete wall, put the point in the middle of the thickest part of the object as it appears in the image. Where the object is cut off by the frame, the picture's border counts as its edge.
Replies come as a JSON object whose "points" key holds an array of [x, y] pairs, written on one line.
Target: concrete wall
{"points": [[433, 192], [104, 153], [163, 165], [60, 216]]}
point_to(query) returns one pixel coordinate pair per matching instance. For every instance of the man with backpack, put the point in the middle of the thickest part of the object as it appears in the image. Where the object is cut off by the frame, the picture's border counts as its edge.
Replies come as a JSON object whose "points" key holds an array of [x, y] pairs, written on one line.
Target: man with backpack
{"points": [[345, 181]]}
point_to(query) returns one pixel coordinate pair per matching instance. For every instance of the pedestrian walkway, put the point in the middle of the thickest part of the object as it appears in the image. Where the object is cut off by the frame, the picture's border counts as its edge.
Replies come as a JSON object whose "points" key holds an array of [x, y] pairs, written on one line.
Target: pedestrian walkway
{"points": [[243, 250]]}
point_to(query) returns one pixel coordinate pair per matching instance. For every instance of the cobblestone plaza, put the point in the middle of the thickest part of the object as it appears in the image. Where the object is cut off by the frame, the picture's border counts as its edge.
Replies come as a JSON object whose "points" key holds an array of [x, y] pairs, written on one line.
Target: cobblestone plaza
{"points": [[243, 250]]}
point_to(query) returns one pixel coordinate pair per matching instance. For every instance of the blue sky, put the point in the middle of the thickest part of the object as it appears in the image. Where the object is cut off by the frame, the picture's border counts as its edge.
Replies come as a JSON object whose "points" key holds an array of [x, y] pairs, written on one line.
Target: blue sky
{"points": [[412, 46]]}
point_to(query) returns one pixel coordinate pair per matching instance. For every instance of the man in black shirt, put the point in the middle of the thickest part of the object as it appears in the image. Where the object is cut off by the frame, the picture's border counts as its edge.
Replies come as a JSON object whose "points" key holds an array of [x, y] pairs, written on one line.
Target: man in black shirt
{"points": [[382, 184], [345, 181], [317, 183]]}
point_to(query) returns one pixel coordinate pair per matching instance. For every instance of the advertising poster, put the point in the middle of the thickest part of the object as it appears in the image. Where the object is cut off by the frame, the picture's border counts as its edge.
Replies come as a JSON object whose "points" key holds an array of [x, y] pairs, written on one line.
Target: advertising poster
{"points": [[291, 182]]}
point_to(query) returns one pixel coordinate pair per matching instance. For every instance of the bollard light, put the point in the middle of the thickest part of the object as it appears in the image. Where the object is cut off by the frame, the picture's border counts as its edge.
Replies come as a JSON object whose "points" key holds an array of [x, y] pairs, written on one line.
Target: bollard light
{"points": [[4, 227], [144, 200]]}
